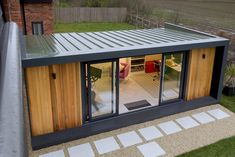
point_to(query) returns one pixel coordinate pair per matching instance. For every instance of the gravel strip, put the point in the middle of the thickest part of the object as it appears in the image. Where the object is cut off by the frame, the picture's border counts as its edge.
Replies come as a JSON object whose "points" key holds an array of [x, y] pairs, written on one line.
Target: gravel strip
{"points": [[173, 145]]}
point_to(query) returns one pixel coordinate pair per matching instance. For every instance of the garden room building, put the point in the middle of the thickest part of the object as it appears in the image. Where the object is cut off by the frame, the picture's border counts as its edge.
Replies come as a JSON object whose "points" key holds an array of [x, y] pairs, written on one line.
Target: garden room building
{"points": [[80, 84]]}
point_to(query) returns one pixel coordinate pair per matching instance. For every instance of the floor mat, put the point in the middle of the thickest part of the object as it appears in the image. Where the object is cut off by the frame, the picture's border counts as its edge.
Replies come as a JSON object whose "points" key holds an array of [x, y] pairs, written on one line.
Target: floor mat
{"points": [[137, 104]]}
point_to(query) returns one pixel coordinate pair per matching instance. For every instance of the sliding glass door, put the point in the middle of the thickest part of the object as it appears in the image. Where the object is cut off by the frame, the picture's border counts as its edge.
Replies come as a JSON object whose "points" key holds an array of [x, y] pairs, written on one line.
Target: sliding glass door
{"points": [[171, 85], [102, 100]]}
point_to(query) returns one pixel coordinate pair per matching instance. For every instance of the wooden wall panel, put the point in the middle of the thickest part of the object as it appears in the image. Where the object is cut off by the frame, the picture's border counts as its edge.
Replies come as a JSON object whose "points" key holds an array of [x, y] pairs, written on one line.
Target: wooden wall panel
{"points": [[66, 95], [39, 96], [54, 97], [200, 69]]}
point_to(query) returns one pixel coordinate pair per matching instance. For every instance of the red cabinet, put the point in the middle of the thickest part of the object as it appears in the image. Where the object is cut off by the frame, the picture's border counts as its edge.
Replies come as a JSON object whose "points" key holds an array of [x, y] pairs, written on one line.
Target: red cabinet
{"points": [[149, 67]]}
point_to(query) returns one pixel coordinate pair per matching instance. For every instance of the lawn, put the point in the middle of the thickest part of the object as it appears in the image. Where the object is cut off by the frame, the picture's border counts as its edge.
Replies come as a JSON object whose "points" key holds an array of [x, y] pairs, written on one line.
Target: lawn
{"points": [[91, 27], [219, 13], [228, 102], [222, 148]]}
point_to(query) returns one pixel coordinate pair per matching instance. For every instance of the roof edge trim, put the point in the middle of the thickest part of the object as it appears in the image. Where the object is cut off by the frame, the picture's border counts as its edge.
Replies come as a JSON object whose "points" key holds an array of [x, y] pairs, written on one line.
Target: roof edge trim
{"points": [[185, 29]]}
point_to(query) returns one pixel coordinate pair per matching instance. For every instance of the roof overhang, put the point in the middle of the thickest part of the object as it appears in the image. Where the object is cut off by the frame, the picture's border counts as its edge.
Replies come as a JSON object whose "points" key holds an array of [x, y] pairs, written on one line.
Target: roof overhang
{"points": [[71, 47]]}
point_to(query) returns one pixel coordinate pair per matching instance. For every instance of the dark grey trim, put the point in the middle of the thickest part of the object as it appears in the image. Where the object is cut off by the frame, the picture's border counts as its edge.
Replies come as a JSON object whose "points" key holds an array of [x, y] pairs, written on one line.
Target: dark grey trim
{"points": [[185, 29], [99, 55], [218, 71], [117, 86], [224, 61], [83, 92], [2, 21], [161, 79], [24, 19], [89, 91], [12, 135], [182, 77], [2, 11], [119, 121], [185, 78]]}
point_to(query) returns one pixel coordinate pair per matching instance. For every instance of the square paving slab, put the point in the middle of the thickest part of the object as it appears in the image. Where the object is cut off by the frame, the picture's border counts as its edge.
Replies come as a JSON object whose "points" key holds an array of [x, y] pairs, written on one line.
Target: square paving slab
{"points": [[106, 145], [129, 138], [169, 127], [82, 150], [151, 149], [59, 153], [187, 122], [218, 113], [203, 118], [150, 133], [145, 140]]}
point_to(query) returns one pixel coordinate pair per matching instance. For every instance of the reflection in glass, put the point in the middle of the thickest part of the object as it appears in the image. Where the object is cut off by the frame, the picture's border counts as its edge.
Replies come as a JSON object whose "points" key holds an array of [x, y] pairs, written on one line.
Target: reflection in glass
{"points": [[171, 76], [103, 92]]}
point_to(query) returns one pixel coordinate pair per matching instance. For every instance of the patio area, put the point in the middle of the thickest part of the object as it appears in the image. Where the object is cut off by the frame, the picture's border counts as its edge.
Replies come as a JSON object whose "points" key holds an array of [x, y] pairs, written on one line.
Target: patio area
{"points": [[168, 136]]}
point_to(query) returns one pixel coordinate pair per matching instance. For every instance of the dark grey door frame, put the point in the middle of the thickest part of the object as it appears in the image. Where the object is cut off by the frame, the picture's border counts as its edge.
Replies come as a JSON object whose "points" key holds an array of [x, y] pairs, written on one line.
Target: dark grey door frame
{"points": [[183, 77], [86, 96]]}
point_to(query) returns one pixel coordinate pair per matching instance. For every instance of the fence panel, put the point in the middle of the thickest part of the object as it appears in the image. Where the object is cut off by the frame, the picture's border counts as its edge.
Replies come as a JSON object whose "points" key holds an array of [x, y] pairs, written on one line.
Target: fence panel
{"points": [[89, 14]]}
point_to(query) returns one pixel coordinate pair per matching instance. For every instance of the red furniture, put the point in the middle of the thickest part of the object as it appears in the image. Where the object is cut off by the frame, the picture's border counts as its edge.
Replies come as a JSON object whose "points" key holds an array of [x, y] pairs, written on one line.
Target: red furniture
{"points": [[150, 67]]}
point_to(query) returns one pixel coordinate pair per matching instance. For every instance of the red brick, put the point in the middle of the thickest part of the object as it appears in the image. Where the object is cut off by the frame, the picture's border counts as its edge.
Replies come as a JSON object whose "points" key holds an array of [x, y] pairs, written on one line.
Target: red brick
{"points": [[12, 11], [37, 13]]}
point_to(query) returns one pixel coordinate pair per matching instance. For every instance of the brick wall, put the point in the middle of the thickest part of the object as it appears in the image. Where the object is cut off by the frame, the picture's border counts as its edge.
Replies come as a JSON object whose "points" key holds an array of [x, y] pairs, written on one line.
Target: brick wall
{"points": [[37, 13], [12, 10]]}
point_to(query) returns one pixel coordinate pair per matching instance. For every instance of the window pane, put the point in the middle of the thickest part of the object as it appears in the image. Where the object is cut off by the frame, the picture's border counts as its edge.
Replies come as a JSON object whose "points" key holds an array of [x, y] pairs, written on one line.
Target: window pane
{"points": [[103, 91], [172, 75], [37, 29]]}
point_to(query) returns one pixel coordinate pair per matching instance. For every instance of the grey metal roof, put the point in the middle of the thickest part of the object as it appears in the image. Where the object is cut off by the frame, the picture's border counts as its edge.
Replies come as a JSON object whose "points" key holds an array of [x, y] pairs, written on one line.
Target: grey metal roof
{"points": [[82, 44]]}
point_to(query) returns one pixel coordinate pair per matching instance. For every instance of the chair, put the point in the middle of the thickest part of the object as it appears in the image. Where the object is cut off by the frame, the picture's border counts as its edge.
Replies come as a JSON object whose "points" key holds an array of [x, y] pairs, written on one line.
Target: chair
{"points": [[157, 66], [95, 73], [125, 72]]}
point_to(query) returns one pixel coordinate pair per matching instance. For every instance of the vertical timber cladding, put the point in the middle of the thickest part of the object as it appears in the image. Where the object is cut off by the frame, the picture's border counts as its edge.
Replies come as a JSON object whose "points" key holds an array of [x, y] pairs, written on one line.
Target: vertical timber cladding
{"points": [[39, 96], [54, 97], [200, 69]]}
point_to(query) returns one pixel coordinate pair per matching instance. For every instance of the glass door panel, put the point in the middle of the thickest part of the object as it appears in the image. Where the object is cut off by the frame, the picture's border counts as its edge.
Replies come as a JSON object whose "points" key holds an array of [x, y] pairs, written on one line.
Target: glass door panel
{"points": [[172, 73], [102, 89]]}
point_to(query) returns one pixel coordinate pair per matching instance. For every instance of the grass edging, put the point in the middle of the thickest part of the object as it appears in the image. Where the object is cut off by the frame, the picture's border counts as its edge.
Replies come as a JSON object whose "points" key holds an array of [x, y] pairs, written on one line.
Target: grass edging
{"points": [[222, 148]]}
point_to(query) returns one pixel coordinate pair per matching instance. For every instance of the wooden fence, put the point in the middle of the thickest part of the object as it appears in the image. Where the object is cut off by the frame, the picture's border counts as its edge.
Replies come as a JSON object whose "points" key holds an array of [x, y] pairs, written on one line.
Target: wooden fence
{"points": [[87, 14], [142, 22]]}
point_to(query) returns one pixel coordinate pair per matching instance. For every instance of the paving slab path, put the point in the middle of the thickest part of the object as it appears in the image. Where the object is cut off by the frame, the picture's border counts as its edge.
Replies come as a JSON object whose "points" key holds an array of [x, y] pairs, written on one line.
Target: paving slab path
{"points": [[168, 136]]}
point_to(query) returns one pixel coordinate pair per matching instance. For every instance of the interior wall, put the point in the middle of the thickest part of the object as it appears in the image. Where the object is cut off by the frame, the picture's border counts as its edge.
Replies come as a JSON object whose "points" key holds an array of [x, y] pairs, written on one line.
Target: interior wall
{"points": [[153, 57]]}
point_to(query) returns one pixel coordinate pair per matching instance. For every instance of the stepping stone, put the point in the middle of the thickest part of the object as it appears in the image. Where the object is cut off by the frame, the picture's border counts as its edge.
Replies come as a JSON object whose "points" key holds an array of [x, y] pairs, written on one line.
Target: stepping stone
{"points": [[150, 133], [169, 127], [129, 138], [218, 113], [106, 145], [187, 122], [203, 118], [151, 149], [82, 150], [59, 153]]}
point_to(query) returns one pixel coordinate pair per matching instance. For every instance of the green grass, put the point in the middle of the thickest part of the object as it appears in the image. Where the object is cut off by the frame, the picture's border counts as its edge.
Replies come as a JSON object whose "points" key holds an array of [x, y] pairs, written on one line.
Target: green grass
{"points": [[219, 13], [91, 27], [222, 148], [228, 102]]}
